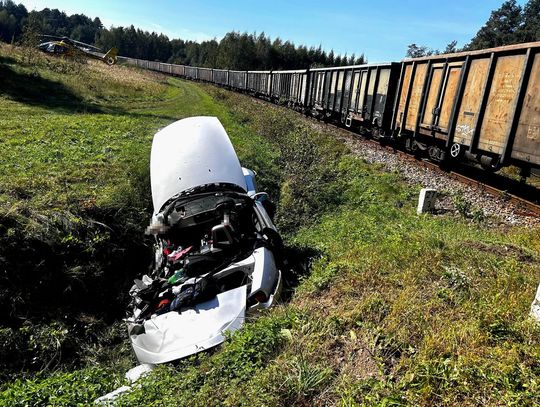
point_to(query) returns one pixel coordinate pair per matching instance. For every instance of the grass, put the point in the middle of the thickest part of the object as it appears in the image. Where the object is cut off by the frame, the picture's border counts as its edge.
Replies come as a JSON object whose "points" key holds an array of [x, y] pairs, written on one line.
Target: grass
{"points": [[398, 309]]}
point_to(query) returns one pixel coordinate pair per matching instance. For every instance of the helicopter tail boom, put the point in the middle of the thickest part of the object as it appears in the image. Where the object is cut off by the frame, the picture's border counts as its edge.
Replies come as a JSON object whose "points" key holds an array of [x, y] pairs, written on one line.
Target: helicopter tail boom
{"points": [[110, 56]]}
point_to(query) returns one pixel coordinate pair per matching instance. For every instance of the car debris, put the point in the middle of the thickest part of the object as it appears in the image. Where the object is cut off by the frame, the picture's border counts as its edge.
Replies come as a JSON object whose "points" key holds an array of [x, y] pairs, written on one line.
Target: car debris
{"points": [[217, 251], [132, 376]]}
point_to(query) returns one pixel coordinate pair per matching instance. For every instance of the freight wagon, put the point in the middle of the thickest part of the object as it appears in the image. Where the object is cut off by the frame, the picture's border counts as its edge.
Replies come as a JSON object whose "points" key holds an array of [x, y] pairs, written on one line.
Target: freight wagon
{"points": [[205, 74], [289, 87], [484, 105], [221, 77], [259, 82], [357, 96], [238, 80]]}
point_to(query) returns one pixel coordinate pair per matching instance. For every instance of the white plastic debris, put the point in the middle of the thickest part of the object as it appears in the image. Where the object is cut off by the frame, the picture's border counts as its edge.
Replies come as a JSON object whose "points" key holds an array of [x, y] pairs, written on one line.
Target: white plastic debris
{"points": [[132, 375], [108, 399], [426, 201], [535, 306]]}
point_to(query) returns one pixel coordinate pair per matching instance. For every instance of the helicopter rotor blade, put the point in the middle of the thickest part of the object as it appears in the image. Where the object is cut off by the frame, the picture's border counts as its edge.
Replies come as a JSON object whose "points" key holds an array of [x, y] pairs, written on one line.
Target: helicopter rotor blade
{"points": [[87, 45], [50, 36], [58, 37], [71, 41]]}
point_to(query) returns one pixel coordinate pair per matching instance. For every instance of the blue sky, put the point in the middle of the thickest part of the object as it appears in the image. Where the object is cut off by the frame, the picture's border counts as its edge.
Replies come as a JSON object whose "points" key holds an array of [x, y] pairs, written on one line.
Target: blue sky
{"points": [[380, 29]]}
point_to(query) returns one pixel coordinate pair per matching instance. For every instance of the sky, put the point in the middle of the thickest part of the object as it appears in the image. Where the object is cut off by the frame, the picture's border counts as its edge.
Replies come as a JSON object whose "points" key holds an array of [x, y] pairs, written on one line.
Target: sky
{"points": [[380, 29]]}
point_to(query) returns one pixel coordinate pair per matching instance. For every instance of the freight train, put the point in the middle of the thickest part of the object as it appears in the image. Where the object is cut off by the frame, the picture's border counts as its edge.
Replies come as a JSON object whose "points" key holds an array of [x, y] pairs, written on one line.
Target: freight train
{"points": [[481, 106]]}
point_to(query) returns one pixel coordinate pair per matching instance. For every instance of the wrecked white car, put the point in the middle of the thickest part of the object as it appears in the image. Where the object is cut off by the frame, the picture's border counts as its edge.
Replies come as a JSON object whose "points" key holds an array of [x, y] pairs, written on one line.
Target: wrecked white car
{"points": [[217, 252]]}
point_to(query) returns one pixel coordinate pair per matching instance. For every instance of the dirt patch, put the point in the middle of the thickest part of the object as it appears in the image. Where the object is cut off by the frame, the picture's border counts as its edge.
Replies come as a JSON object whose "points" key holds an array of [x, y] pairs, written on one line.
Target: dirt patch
{"points": [[355, 361], [502, 250]]}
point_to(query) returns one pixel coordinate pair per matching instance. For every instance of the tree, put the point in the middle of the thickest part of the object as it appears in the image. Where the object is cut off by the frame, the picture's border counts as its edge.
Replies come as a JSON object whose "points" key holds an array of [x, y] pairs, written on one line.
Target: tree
{"points": [[451, 48], [417, 51], [501, 28], [12, 20], [361, 60], [530, 29], [331, 59]]}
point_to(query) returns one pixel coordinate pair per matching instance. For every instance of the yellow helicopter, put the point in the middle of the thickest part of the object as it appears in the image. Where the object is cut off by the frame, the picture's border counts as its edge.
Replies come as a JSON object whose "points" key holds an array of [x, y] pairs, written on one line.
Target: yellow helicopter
{"points": [[65, 46]]}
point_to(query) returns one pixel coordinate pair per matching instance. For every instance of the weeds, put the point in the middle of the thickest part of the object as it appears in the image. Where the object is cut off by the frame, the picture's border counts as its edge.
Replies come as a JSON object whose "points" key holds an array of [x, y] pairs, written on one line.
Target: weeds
{"points": [[303, 379], [466, 209]]}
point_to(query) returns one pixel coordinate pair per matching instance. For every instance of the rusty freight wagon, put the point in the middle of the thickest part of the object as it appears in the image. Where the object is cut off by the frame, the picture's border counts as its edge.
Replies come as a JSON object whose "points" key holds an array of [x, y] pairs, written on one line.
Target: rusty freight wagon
{"points": [[221, 77], [289, 87], [360, 95], [259, 82], [483, 105], [238, 80]]}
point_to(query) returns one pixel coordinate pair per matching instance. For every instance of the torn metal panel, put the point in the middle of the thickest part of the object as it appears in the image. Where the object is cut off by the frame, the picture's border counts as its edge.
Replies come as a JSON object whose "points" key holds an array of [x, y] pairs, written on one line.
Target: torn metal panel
{"points": [[176, 335]]}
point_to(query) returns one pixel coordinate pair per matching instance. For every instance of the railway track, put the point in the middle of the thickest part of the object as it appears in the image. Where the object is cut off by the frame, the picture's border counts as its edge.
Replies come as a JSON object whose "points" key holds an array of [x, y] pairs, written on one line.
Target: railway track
{"points": [[513, 193], [526, 208], [525, 197]]}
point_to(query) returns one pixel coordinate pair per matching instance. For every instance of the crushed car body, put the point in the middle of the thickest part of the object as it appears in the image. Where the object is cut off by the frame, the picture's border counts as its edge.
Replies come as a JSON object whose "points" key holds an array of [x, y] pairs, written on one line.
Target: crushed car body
{"points": [[217, 251]]}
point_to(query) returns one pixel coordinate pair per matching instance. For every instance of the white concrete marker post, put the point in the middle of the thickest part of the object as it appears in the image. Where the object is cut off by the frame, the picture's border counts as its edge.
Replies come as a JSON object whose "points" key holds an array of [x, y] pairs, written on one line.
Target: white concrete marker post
{"points": [[426, 201], [535, 306]]}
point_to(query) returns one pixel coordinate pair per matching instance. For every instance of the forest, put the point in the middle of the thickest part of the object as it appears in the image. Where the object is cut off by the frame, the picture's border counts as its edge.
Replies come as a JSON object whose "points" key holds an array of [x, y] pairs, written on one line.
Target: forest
{"points": [[235, 50]]}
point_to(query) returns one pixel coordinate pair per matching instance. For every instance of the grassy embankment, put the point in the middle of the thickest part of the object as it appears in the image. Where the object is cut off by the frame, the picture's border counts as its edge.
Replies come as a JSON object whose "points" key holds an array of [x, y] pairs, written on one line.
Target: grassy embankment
{"points": [[398, 309]]}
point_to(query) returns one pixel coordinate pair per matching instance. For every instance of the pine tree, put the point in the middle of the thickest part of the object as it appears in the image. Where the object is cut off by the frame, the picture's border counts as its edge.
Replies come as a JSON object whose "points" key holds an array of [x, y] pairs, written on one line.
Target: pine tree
{"points": [[451, 48], [530, 29]]}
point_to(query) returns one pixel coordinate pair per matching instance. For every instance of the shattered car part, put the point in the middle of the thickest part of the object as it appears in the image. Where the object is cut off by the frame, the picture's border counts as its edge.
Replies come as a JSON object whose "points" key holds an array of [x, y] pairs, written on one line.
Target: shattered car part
{"points": [[217, 251]]}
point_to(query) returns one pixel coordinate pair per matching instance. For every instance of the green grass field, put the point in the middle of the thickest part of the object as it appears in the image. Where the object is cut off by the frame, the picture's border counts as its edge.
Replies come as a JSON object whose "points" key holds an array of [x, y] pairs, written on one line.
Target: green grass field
{"points": [[397, 309]]}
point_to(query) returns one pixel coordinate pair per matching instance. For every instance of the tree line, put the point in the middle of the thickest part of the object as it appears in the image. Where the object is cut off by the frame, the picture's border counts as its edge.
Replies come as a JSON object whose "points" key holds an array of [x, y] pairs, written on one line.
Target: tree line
{"points": [[235, 50], [509, 24]]}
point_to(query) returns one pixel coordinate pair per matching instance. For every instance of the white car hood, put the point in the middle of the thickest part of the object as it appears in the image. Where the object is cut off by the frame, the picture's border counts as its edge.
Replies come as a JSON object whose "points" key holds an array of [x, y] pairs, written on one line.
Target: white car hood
{"points": [[189, 153], [176, 335]]}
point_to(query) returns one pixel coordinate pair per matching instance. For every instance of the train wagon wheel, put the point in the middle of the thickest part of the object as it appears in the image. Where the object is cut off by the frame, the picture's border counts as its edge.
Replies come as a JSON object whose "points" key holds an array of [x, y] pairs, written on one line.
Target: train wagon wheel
{"points": [[455, 150]]}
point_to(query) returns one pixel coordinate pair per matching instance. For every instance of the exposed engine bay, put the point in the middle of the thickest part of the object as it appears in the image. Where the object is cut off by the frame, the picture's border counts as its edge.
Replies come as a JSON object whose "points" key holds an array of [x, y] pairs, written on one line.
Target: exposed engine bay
{"points": [[203, 247]]}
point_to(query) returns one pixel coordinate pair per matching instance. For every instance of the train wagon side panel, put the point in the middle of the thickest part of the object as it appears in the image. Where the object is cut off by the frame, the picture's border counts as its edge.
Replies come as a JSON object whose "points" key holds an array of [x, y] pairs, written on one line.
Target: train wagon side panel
{"points": [[205, 74], [442, 82], [500, 105], [338, 91], [527, 142], [384, 96], [190, 72], [435, 79], [220, 76], [416, 96], [237, 79], [370, 94], [178, 70], [381, 94], [361, 100], [450, 93], [470, 102], [317, 86], [403, 96]]}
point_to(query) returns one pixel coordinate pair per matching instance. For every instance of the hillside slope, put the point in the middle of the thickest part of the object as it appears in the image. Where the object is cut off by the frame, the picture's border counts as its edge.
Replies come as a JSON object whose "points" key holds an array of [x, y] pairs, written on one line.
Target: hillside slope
{"points": [[395, 309]]}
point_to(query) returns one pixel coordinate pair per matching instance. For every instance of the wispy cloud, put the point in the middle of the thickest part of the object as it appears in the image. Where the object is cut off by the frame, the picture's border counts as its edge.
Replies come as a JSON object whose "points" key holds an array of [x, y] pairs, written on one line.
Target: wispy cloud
{"points": [[182, 33]]}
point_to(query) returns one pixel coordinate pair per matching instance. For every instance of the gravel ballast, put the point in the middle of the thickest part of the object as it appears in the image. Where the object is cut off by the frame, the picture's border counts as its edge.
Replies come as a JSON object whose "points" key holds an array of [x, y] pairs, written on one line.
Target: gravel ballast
{"points": [[451, 192]]}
